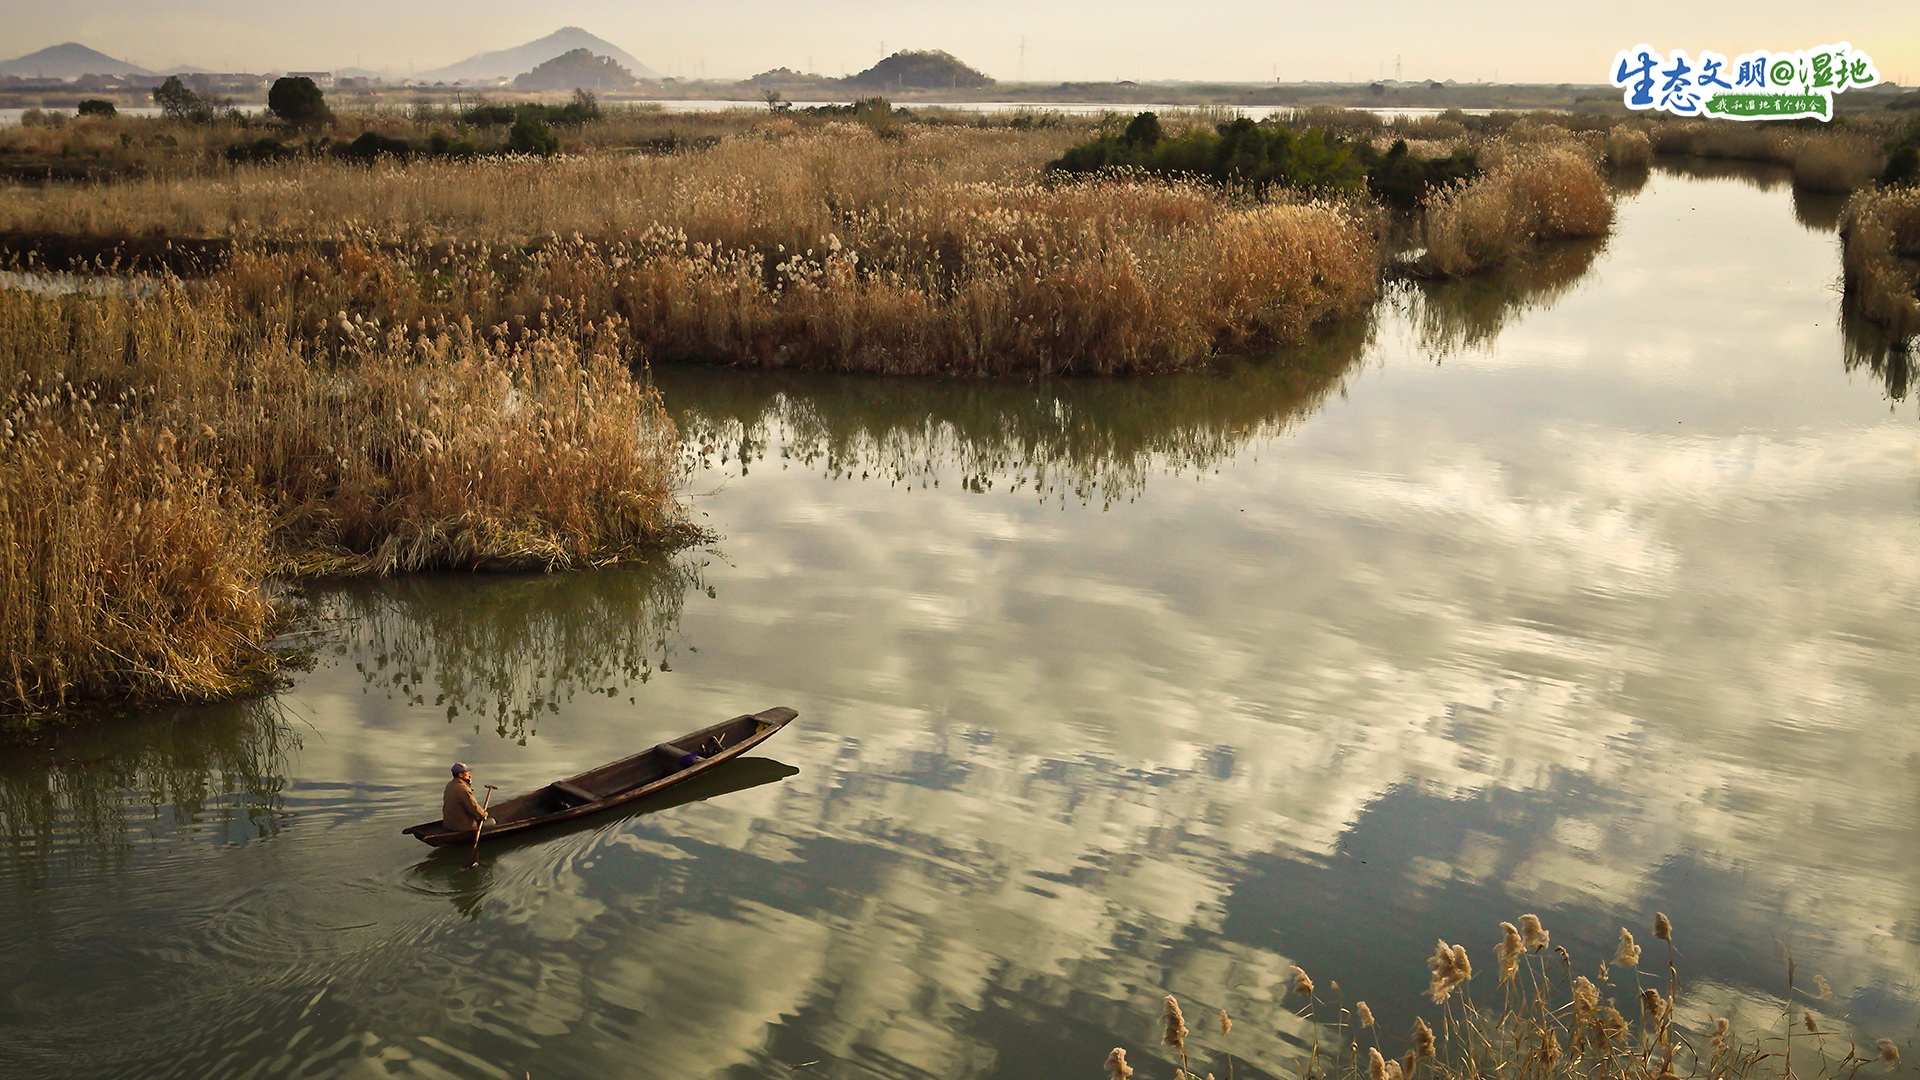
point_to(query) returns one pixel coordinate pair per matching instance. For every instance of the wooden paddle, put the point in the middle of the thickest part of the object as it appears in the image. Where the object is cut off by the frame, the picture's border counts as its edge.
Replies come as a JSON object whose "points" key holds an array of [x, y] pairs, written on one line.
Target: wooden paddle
{"points": [[474, 859]]}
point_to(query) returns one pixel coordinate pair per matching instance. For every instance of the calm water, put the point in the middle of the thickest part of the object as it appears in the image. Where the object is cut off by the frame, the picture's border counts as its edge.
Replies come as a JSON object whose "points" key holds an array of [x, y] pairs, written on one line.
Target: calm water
{"points": [[1588, 590]]}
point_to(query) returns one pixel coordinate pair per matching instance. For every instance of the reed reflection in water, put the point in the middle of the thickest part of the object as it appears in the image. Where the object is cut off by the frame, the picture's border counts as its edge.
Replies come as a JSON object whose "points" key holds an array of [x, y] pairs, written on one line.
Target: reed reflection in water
{"points": [[1090, 441], [507, 650]]}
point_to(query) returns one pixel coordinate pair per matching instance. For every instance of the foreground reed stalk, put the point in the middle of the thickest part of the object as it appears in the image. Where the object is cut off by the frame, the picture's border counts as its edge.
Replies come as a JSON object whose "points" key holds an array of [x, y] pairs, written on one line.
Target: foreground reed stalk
{"points": [[1565, 1027]]}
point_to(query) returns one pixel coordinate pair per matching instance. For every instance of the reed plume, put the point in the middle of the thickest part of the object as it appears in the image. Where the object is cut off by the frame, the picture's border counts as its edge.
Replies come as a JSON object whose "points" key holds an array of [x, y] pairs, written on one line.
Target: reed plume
{"points": [[1450, 968], [1508, 951], [1364, 1013], [1628, 953], [1175, 1034], [1662, 928], [1423, 1043], [1534, 934], [1117, 1067], [1889, 1053], [1302, 984]]}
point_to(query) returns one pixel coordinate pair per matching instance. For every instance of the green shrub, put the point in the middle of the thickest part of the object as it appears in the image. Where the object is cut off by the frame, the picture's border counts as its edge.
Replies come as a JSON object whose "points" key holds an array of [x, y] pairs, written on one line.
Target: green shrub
{"points": [[531, 136], [266, 148], [1903, 158], [296, 100], [484, 115], [441, 144], [1265, 155], [372, 144], [100, 107], [1257, 156], [1403, 179]]}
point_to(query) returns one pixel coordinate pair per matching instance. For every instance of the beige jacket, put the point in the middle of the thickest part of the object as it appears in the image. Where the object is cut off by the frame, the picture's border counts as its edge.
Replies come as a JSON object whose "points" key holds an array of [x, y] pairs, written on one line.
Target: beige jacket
{"points": [[458, 808]]}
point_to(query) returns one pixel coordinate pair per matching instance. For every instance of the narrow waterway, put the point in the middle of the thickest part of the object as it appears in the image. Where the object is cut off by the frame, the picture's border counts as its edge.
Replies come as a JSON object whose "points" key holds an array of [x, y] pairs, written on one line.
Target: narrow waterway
{"points": [[1589, 589]]}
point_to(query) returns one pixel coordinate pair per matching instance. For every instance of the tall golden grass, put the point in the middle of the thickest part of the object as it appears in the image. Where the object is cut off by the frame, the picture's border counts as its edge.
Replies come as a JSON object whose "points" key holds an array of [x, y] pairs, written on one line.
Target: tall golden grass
{"points": [[1604, 1020], [1532, 195], [1880, 253], [1628, 149], [159, 460], [127, 564], [831, 249]]}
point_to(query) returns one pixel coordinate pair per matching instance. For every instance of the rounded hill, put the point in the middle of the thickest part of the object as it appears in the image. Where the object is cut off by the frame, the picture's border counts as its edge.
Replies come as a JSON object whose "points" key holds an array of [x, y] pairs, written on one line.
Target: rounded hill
{"points": [[929, 70]]}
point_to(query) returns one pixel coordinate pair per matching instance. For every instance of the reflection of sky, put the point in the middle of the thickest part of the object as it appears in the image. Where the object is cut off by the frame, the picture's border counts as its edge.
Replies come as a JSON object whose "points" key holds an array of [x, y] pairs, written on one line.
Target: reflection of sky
{"points": [[1608, 614]]}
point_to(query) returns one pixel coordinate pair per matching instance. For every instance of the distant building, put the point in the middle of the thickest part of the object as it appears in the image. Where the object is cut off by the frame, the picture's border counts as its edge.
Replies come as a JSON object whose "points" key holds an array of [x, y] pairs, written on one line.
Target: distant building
{"points": [[225, 82], [321, 79]]}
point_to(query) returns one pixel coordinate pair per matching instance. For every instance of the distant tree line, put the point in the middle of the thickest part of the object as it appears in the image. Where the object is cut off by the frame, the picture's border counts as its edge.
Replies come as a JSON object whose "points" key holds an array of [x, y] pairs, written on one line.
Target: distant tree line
{"points": [[1260, 156]]}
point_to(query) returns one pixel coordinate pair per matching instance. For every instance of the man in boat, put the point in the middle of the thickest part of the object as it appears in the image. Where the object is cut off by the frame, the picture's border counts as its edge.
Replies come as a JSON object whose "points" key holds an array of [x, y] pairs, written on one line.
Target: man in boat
{"points": [[458, 808]]}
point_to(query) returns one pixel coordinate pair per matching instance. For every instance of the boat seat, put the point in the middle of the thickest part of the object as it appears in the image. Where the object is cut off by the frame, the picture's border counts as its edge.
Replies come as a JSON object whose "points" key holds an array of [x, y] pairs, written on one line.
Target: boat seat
{"points": [[578, 794]]}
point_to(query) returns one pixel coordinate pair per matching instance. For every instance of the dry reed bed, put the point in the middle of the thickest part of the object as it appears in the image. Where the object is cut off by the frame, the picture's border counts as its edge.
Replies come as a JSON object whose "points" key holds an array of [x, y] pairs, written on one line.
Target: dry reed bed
{"points": [[1880, 234], [158, 461], [1616, 1021], [1628, 149], [1829, 160], [833, 250], [1532, 195]]}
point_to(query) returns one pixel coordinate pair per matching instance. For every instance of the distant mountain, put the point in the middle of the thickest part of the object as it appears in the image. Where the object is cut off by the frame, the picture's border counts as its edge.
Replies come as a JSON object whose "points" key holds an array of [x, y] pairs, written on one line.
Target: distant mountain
{"points": [[68, 61], [930, 70], [508, 63]]}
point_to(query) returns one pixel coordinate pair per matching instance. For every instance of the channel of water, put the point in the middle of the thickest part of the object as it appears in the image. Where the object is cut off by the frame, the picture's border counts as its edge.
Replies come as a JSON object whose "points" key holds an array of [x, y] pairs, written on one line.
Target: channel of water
{"points": [[1586, 589]]}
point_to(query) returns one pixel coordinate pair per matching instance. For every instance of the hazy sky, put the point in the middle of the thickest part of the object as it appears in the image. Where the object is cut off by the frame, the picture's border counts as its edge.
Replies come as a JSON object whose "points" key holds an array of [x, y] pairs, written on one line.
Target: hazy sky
{"points": [[1531, 41]]}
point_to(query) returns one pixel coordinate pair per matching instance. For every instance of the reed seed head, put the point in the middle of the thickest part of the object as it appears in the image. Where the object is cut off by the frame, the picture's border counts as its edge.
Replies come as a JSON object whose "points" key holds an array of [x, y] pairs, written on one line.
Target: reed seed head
{"points": [[1396, 1070], [1117, 1067], [1508, 951], [1586, 997], [1226, 1023], [1826, 989], [1652, 1004], [1448, 964], [1302, 984], [1535, 935], [1376, 1065], [1811, 1021], [1662, 927], [1365, 1014], [1889, 1053], [1611, 1024], [1628, 954], [1422, 1039], [1176, 1033]]}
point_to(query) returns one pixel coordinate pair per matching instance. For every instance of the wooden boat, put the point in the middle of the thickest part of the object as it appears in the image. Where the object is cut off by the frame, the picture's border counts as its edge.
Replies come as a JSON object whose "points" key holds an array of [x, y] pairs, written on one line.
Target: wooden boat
{"points": [[645, 773]]}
